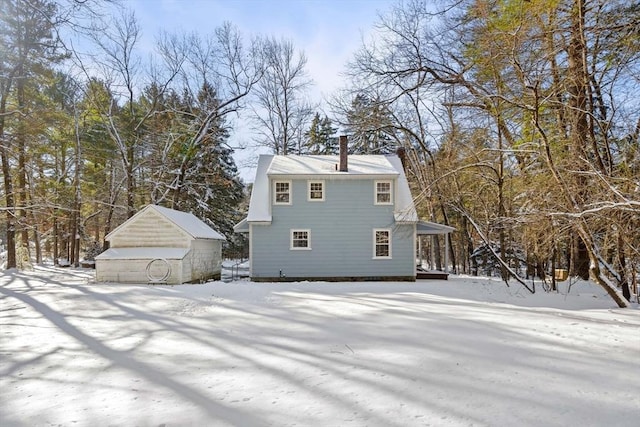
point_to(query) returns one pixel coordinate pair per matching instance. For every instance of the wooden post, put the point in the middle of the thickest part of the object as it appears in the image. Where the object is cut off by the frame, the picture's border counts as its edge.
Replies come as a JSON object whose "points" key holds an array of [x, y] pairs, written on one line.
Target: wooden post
{"points": [[446, 253]]}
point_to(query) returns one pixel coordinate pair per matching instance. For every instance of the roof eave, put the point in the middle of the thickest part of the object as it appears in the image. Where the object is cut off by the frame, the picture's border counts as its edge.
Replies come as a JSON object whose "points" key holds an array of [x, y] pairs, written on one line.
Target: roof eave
{"points": [[334, 175], [431, 228]]}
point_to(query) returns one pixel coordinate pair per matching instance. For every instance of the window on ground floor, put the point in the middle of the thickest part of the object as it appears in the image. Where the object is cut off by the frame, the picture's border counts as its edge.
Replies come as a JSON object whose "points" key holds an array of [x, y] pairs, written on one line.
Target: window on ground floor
{"points": [[300, 239], [382, 243]]}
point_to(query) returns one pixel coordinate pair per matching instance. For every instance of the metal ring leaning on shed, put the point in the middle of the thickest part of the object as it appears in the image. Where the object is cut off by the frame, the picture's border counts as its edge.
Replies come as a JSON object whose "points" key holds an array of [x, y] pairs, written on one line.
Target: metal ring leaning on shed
{"points": [[164, 278]]}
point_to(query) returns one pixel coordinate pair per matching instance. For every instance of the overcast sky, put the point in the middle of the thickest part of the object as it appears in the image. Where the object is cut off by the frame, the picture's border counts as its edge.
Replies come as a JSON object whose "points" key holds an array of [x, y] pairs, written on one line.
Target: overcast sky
{"points": [[328, 31]]}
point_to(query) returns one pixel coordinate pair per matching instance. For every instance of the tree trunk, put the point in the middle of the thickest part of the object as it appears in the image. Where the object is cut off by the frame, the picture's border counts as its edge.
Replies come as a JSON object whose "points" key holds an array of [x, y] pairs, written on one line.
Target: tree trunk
{"points": [[452, 253], [77, 203], [8, 188], [579, 125], [56, 239], [10, 206], [594, 267], [130, 184], [21, 194], [437, 252], [581, 259], [554, 254], [73, 232], [36, 243], [624, 283]]}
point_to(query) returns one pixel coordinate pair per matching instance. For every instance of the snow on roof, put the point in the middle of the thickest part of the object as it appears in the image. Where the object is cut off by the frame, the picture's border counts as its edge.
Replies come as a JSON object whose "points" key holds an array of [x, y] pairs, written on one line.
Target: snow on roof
{"points": [[326, 165], [241, 227], [259, 203], [188, 222], [405, 210], [428, 228], [143, 253], [359, 166]]}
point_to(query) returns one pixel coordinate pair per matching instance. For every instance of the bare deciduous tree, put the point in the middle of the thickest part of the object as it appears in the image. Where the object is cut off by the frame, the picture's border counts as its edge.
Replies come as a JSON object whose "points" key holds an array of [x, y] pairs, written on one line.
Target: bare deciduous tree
{"points": [[281, 110], [551, 81]]}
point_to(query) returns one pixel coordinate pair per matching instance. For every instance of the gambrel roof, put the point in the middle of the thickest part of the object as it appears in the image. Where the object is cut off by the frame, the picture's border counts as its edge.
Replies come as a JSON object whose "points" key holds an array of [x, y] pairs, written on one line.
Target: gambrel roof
{"points": [[359, 165], [325, 167]]}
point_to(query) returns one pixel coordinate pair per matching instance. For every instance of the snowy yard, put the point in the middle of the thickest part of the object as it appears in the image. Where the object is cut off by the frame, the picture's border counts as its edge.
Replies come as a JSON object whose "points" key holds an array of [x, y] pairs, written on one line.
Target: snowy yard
{"points": [[463, 352]]}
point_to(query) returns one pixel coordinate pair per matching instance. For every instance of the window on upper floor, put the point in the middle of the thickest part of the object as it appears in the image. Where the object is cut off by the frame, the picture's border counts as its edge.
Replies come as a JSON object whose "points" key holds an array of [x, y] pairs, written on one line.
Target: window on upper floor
{"points": [[300, 240], [282, 192], [384, 192], [316, 191], [381, 243]]}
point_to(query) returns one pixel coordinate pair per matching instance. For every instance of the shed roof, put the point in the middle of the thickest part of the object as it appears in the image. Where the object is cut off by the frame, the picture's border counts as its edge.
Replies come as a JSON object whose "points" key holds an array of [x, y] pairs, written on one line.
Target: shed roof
{"points": [[143, 253], [429, 228], [188, 222], [241, 227]]}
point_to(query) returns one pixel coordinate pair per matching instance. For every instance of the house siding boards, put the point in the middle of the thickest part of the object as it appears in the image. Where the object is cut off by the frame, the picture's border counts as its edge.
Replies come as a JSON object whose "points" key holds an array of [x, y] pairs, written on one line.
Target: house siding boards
{"points": [[341, 235], [134, 271], [205, 259], [150, 230]]}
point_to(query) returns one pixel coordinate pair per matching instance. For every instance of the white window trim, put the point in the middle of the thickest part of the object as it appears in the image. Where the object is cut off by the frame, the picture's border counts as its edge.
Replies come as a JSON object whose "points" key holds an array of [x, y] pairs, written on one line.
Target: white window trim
{"points": [[280, 181], [308, 231], [309, 190], [375, 191], [388, 230]]}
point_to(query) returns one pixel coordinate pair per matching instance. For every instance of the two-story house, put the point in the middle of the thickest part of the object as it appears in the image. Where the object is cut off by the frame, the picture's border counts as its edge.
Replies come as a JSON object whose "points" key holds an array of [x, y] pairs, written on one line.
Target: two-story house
{"points": [[331, 218]]}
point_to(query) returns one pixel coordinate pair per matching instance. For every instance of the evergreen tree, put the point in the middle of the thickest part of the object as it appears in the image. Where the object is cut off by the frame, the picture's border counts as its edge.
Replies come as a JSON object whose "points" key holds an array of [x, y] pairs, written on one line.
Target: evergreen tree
{"points": [[208, 185], [28, 48], [368, 124], [320, 138]]}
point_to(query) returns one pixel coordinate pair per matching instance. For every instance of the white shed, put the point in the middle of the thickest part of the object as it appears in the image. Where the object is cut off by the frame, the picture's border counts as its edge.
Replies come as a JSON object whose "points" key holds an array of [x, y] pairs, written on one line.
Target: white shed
{"points": [[161, 245]]}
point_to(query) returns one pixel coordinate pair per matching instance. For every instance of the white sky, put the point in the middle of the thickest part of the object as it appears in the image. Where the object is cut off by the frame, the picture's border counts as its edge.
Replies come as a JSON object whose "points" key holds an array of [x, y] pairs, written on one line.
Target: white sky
{"points": [[328, 31]]}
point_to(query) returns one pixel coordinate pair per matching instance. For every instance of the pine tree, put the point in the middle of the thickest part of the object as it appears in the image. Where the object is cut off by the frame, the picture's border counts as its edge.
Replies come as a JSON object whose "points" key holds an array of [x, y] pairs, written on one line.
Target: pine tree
{"points": [[320, 138], [28, 47], [209, 186], [368, 124]]}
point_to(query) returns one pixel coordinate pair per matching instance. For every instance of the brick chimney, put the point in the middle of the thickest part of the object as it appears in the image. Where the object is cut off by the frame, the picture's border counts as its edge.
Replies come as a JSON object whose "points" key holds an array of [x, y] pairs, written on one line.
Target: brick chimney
{"points": [[402, 154], [343, 154]]}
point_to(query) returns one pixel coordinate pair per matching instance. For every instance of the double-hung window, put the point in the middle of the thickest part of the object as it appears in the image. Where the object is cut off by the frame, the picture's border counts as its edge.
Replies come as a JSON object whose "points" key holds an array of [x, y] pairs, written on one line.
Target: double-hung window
{"points": [[316, 191], [282, 192], [381, 243], [384, 192], [300, 240]]}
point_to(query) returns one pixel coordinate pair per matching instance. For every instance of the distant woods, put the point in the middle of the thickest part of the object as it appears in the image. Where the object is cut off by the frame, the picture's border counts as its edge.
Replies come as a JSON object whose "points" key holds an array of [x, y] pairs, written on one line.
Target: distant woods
{"points": [[89, 138], [520, 121]]}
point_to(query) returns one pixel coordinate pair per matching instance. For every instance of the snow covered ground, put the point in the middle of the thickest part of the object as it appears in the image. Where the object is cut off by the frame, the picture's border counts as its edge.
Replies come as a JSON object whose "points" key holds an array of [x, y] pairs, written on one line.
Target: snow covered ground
{"points": [[463, 352]]}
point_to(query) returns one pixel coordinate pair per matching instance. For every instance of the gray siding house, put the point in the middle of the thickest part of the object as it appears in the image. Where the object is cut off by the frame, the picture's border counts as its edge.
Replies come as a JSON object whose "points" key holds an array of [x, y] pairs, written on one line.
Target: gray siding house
{"points": [[331, 218]]}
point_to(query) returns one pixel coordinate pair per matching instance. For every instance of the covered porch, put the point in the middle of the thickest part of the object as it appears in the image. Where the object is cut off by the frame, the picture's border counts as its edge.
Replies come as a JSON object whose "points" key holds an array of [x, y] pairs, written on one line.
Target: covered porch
{"points": [[435, 266]]}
